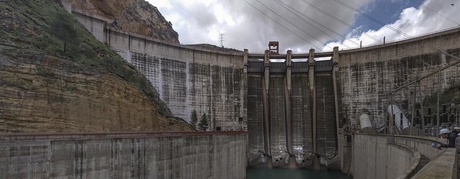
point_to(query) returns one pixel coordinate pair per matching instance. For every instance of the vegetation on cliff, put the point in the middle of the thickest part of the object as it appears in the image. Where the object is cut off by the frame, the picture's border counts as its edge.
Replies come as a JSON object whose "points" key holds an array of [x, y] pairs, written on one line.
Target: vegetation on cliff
{"points": [[34, 31]]}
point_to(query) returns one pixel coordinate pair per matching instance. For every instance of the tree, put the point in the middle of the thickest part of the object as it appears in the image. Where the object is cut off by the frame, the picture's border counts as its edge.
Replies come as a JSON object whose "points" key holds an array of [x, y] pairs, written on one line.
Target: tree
{"points": [[203, 125], [193, 118], [62, 27]]}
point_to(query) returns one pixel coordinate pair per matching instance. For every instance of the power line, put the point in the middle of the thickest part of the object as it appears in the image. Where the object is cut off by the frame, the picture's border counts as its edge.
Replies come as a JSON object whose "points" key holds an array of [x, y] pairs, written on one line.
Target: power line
{"points": [[426, 7], [372, 19], [280, 24], [297, 13], [335, 18], [312, 36]]}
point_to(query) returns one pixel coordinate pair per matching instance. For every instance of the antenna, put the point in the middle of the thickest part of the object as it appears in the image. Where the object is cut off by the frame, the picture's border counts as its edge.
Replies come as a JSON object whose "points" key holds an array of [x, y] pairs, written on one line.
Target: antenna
{"points": [[221, 37]]}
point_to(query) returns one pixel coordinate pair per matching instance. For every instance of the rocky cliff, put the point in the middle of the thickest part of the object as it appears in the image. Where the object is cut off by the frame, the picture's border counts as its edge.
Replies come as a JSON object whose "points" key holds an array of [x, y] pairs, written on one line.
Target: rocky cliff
{"points": [[135, 16], [56, 77]]}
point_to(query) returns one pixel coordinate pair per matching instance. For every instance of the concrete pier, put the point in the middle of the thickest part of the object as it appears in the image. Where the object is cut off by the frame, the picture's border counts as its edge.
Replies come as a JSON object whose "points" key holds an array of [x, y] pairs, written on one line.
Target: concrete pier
{"points": [[311, 75], [266, 116], [288, 98]]}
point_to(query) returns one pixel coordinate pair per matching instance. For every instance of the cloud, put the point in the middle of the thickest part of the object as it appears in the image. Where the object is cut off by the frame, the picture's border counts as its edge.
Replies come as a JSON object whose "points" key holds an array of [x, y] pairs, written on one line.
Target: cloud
{"points": [[297, 25], [250, 24], [432, 16]]}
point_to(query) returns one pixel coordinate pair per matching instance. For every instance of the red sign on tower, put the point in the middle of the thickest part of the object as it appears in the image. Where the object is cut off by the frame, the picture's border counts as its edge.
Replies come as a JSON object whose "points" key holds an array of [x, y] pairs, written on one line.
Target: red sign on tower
{"points": [[273, 47]]}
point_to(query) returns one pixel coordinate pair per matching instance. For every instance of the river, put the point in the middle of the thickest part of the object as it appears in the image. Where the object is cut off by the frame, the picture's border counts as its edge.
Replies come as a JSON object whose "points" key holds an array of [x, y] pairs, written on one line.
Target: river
{"points": [[285, 173]]}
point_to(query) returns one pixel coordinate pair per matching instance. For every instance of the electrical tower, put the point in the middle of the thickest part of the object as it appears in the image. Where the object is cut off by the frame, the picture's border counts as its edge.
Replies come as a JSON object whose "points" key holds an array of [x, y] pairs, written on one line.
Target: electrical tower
{"points": [[221, 38]]}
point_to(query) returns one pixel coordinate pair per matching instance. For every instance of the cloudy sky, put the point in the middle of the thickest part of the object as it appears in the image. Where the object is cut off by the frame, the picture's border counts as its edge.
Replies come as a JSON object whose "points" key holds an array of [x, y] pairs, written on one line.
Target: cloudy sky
{"points": [[303, 24]]}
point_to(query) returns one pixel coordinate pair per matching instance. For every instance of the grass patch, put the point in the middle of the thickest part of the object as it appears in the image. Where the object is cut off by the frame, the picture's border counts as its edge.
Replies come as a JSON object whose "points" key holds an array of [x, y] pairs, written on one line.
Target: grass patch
{"points": [[447, 97], [45, 26]]}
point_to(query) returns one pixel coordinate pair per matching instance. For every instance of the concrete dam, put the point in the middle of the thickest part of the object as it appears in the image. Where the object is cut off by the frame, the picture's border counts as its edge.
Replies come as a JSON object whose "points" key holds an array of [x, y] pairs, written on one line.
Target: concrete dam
{"points": [[297, 110], [294, 108], [291, 108], [228, 87]]}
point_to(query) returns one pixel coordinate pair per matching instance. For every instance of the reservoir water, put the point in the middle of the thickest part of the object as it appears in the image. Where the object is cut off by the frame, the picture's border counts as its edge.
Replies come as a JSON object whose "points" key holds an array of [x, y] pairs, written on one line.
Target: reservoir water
{"points": [[286, 173]]}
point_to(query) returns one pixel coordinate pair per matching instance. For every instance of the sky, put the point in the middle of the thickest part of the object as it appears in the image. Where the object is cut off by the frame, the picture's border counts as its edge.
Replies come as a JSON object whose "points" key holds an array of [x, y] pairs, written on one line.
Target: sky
{"points": [[301, 25]]}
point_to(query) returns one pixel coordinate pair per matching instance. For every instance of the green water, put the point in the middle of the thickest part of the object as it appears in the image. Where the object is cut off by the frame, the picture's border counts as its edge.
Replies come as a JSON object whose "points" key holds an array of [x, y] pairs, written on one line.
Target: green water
{"points": [[284, 173]]}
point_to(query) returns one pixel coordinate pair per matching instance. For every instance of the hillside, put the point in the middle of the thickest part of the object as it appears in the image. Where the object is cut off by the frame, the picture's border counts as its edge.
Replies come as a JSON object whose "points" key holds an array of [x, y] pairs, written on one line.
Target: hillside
{"points": [[134, 16], [56, 77]]}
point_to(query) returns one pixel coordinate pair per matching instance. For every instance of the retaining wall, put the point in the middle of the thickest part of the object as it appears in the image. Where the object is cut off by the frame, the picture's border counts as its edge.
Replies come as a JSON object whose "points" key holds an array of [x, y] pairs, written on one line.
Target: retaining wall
{"points": [[397, 156], [443, 163], [422, 144], [125, 155], [380, 157]]}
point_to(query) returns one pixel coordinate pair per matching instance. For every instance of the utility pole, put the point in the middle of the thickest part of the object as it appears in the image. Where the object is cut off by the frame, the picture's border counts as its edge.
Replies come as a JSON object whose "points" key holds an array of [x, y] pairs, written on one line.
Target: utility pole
{"points": [[437, 103]]}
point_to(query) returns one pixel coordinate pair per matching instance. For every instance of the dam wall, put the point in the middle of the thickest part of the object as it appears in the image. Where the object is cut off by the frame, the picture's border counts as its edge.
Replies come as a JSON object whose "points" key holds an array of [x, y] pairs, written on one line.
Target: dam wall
{"points": [[399, 156], [291, 110], [380, 157], [216, 83], [124, 155], [327, 133], [372, 78], [186, 78]]}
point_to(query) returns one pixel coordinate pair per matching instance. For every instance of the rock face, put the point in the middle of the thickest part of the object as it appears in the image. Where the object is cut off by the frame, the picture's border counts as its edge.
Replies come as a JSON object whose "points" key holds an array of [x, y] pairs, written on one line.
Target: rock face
{"points": [[42, 93], [134, 16], [83, 87]]}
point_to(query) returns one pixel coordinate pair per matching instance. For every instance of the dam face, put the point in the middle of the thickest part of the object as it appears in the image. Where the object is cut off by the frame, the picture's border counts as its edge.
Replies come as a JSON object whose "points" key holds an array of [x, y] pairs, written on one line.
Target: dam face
{"points": [[186, 78], [403, 73], [296, 100], [291, 110], [213, 89]]}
